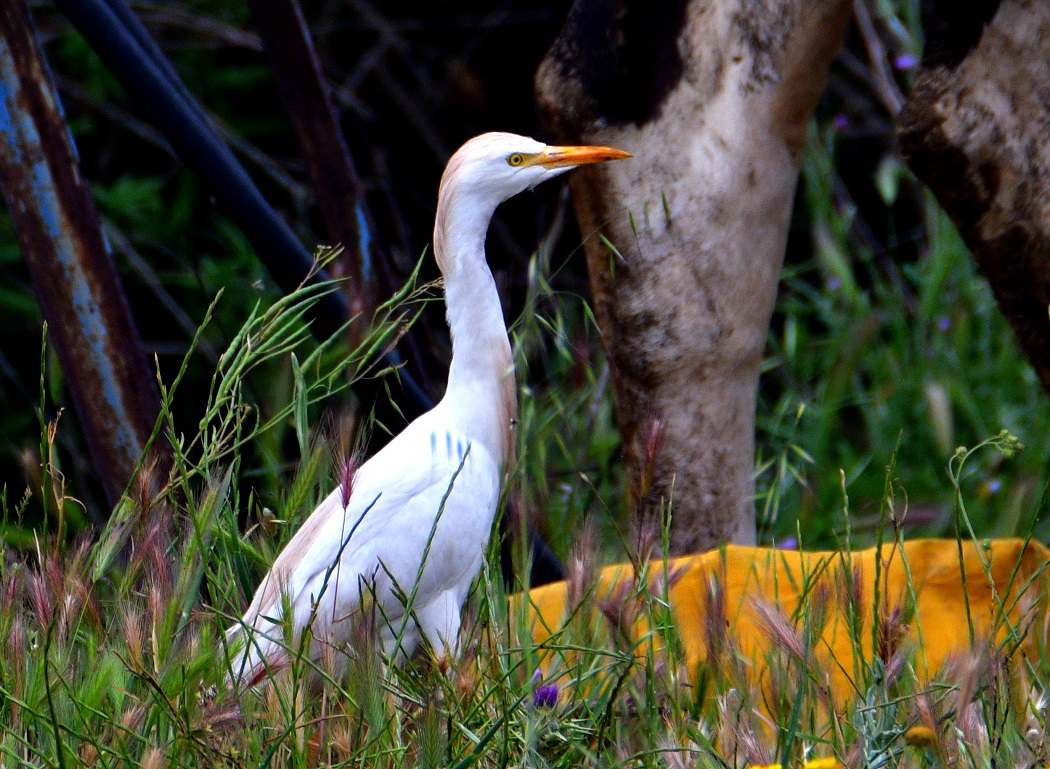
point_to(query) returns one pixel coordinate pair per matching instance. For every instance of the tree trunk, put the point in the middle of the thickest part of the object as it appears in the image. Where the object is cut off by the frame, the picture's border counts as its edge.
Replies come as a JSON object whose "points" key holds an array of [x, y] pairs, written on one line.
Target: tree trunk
{"points": [[976, 131], [712, 99]]}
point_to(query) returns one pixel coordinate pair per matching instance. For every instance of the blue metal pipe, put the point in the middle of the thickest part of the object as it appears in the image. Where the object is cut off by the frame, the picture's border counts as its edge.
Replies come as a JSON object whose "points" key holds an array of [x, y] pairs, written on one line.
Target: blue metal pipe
{"points": [[133, 58]]}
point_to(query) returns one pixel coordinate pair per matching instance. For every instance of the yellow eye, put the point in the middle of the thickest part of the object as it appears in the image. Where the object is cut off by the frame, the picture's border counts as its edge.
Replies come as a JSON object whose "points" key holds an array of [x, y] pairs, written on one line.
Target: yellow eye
{"points": [[516, 159]]}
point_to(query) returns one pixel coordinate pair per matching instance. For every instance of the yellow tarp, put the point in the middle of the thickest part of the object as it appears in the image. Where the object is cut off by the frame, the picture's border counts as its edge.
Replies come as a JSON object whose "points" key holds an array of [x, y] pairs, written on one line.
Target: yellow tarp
{"points": [[924, 580]]}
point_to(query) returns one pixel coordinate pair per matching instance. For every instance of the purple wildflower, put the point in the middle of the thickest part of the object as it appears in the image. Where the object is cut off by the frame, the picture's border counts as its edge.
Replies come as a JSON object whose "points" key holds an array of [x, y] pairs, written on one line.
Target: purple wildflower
{"points": [[543, 695], [905, 61], [840, 121], [944, 323], [834, 284], [994, 485], [789, 544]]}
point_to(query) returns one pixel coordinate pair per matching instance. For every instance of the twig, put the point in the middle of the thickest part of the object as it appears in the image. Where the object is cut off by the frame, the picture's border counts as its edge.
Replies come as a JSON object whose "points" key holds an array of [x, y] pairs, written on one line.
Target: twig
{"points": [[173, 16], [881, 75], [148, 276]]}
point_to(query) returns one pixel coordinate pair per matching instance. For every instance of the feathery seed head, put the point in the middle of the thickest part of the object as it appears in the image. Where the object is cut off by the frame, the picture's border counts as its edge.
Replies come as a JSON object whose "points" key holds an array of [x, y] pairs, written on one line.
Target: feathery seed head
{"points": [[737, 739], [41, 598], [644, 540], [346, 454], [716, 621], [652, 444], [891, 632], [153, 758], [88, 754], [132, 719], [778, 628], [620, 610], [582, 567], [134, 636]]}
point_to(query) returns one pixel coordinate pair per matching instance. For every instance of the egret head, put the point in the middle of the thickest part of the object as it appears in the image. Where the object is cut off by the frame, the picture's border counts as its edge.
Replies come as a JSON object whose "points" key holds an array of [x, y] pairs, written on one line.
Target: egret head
{"points": [[501, 165], [493, 167]]}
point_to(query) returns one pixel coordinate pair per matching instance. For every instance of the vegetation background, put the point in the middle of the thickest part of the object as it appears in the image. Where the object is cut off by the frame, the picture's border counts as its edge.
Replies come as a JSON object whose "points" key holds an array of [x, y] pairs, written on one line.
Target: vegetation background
{"points": [[886, 352], [884, 338]]}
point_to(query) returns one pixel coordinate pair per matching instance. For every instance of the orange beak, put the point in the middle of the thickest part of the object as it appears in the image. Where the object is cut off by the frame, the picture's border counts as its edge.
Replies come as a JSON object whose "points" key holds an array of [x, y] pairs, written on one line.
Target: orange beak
{"points": [[562, 157]]}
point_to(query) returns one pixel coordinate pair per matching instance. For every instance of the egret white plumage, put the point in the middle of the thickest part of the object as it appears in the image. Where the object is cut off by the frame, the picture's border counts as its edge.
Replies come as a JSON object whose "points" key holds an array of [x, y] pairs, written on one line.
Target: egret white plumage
{"points": [[446, 466]]}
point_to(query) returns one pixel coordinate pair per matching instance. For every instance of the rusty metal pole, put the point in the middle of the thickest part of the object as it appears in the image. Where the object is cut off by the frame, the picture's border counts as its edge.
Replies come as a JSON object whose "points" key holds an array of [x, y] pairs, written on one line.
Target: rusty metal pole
{"points": [[113, 388]]}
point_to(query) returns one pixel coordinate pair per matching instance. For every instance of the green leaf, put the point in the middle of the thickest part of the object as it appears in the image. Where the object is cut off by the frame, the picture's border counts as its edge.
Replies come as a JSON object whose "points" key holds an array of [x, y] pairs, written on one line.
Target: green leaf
{"points": [[301, 400]]}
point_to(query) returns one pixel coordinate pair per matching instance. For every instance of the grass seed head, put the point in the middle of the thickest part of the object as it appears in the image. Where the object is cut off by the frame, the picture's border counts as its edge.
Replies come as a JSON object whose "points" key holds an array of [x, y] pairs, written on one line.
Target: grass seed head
{"points": [[346, 454], [131, 719], [12, 592], [151, 550], [737, 740], [676, 755], [973, 731], [88, 754], [41, 599], [644, 541], [652, 444], [134, 636], [716, 621], [582, 567], [851, 594], [153, 758], [149, 482], [345, 473], [925, 710], [891, 632], [620, 609], [778, 628], [16, 645]]}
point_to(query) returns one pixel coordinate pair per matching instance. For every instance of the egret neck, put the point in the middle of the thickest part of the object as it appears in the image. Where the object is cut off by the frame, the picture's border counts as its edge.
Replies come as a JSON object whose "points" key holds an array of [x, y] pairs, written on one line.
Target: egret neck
{"points": [[481, 395]]}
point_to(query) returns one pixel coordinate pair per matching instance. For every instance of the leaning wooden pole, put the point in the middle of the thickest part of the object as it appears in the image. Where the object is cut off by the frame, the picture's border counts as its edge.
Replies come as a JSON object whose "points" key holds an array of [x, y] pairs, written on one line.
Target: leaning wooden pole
{"points": [[713, 99], [333, 176], [107, 372]]}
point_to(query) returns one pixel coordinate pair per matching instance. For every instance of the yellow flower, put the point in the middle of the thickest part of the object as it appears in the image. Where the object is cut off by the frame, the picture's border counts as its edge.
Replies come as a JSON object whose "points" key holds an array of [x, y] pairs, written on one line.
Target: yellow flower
{"points": [[816, 763], [920, 737]]}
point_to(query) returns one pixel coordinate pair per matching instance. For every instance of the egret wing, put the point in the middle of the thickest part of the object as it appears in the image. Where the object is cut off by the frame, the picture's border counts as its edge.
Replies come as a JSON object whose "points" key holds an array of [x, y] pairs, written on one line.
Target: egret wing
{"points": [[430, 469]]}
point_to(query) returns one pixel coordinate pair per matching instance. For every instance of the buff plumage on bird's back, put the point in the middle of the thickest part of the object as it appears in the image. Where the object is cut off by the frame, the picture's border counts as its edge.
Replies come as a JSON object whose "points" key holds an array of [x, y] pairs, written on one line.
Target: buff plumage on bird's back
{"points": [[432, 490]]}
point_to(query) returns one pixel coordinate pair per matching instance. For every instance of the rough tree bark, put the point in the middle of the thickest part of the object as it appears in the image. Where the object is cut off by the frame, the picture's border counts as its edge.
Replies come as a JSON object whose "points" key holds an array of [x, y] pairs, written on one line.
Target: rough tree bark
{"points": [[712, 98], [976, 130]]}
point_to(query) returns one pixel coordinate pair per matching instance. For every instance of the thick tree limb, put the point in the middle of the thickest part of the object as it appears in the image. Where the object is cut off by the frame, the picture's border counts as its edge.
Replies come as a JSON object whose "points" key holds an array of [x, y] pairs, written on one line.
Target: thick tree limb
{"points": [[713, 101], [976, 131]]}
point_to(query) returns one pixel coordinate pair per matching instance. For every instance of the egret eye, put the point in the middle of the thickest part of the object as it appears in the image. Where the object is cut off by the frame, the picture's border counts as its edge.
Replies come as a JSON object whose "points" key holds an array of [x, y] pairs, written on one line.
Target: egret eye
{"points": [[516, 159]]}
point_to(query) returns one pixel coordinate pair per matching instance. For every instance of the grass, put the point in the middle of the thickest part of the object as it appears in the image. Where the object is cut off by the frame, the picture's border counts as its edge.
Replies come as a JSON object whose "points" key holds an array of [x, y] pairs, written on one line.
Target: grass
{"points": [[115, 655], [872, 358]]}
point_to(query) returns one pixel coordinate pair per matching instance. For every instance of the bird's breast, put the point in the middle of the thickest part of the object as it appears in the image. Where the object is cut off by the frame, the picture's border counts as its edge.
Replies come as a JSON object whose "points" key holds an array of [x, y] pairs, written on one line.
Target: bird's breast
{"points": [[469, 484]]}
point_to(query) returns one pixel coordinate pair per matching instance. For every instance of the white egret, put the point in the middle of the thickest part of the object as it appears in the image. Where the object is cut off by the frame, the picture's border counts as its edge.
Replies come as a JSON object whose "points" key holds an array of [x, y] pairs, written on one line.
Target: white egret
{"points": [[438, 482]]}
